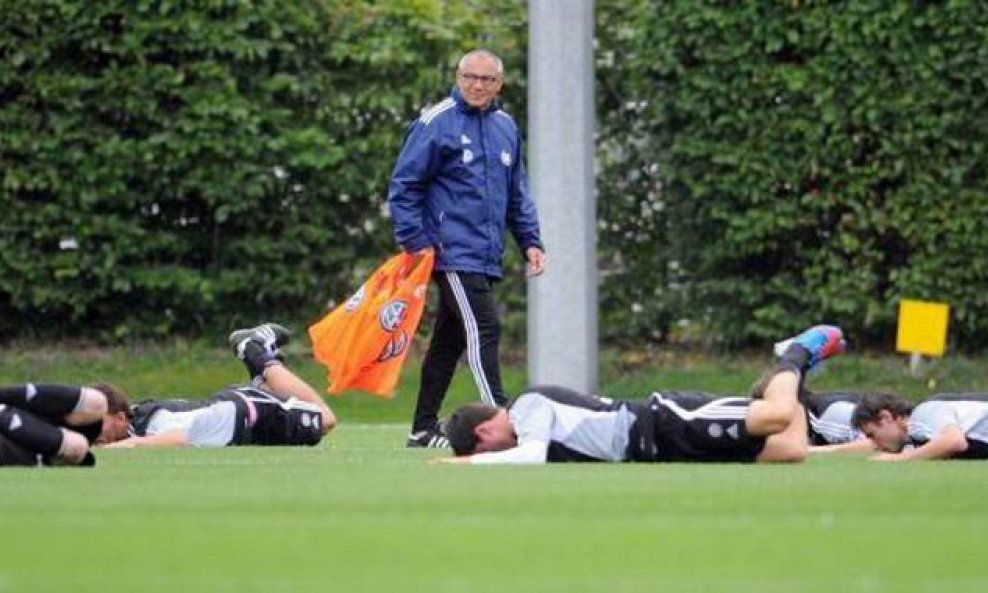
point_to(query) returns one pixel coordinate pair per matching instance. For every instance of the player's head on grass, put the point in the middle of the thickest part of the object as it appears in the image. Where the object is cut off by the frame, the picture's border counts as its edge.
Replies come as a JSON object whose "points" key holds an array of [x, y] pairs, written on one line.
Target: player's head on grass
{"points": [[884, 418], [476, 428], [118, 413]]}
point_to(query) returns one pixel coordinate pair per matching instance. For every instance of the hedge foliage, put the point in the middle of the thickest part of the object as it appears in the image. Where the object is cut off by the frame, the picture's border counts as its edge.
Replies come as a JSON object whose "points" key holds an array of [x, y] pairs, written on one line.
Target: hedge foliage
{"points": [[782, 163], [175, 166], [178, 166]]}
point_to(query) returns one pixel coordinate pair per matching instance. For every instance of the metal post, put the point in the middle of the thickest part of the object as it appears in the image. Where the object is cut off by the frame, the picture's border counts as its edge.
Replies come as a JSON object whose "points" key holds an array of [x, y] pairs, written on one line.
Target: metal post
{"points": [[562, 316]]}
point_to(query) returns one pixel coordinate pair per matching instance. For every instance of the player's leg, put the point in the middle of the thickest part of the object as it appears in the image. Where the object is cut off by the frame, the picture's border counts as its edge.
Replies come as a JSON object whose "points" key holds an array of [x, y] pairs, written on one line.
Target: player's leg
{"points": [[281, 381], [70, 404], [778, 406], [12, 454], [53, 444], [81, 408], [777, 394], [803, 353], [259, 349], [790, 445]]}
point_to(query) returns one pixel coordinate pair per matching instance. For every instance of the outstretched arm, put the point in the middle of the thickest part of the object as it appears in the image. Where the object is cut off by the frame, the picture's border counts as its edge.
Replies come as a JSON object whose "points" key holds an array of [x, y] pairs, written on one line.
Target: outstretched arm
{"points": [[531, 452], [174, 438], [948, 443], [862, 445]]}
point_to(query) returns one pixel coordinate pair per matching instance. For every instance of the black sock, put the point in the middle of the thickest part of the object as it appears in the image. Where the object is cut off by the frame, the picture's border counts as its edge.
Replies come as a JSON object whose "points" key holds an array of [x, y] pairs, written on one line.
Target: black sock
{"points": [[53, 402], [30, 432], [796, 358], [257, 358]]}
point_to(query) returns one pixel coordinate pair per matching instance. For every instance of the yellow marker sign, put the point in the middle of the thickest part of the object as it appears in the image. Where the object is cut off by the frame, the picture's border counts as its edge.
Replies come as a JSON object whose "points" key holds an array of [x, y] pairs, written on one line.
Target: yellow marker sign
{"points": [[922, 327]]}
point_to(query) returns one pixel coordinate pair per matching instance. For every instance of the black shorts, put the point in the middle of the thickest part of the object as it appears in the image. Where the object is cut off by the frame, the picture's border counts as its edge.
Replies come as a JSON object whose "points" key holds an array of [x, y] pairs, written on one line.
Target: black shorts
{"points": [[275, 421], [678, 426], [975, 450]]}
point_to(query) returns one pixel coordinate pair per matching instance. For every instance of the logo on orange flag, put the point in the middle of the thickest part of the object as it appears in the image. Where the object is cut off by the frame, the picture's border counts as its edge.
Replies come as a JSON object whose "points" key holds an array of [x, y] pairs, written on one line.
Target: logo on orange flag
{"points": [[363, 343]]}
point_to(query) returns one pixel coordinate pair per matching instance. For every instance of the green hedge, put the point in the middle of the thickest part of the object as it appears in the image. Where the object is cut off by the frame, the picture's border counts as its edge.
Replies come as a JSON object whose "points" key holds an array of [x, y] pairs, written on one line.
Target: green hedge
{"points": [[789, 163], [177, 167]]}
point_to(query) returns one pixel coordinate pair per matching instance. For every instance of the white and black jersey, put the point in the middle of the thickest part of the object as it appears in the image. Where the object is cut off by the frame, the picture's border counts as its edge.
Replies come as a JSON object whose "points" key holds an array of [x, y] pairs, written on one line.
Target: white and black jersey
{"points": [[828, 417], [967, 411], [237, 415], [555, 424]]}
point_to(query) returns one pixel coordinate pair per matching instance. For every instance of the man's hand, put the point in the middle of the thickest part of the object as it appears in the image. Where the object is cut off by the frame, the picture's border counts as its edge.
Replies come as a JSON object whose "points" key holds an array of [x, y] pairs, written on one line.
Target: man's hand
{"points": [[536, 261]]}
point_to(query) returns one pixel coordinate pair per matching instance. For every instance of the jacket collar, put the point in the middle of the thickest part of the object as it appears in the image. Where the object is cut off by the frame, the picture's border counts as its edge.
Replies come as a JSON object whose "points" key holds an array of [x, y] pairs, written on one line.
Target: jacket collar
{"points": [[462, 105]]}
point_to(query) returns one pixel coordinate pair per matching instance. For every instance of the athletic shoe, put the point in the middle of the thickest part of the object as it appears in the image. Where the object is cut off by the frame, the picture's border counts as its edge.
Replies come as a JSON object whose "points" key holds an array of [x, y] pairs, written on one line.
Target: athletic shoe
{"points": [[269, 335], [427, 439], [820, 342]]}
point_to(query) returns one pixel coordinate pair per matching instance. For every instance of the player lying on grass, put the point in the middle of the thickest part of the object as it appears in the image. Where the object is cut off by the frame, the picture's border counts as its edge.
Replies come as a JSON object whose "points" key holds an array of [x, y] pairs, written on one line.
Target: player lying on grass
{"points": [[828, 419], [945, 426], [553, 424], [277, 408], [49, 424]]}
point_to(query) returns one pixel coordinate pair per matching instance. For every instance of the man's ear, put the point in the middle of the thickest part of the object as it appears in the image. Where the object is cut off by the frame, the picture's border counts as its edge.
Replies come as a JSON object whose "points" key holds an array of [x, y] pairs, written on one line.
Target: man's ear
{"points": [[482, 430]]}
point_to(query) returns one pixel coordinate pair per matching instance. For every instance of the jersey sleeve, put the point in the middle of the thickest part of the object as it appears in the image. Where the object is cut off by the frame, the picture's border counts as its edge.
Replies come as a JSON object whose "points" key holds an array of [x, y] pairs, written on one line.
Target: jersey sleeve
{"points": [[929, 419], [532, 417], [416, 165], [213, 426]]}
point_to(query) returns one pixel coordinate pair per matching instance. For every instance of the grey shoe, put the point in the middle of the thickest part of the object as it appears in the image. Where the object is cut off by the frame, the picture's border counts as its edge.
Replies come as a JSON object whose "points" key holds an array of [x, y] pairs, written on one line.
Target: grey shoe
{"points": [[269, 335]]}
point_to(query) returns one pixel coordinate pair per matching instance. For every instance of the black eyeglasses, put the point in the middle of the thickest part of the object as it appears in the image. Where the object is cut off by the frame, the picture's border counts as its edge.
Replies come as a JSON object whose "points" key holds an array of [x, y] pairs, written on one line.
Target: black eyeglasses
{"points": [[484, 79]]}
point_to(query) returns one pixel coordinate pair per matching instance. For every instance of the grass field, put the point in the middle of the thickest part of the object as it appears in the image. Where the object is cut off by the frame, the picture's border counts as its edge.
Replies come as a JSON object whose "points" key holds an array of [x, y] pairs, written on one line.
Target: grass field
{"points": [[361, 513]]}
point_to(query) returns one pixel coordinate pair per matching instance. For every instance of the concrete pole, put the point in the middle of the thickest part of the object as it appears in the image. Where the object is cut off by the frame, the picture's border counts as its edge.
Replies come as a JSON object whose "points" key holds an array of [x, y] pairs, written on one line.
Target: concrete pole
{"points": [[562, 316]]}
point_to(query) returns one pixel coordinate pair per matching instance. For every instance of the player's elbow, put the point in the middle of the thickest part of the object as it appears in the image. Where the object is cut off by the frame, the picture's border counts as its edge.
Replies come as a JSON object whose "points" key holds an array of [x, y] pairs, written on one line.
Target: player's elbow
{"points": [[953, 441]]}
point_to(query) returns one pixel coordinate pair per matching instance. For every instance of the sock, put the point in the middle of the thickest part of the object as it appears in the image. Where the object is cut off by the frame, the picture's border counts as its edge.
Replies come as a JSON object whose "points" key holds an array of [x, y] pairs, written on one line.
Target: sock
{"points": [[256, 358], [29, 432], [796, 358], [53, 402]]}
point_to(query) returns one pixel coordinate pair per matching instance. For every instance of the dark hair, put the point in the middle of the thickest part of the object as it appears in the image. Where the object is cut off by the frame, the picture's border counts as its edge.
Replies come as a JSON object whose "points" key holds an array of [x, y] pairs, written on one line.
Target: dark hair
{"points": [[461, 426], [872, 404], [116, 398]]}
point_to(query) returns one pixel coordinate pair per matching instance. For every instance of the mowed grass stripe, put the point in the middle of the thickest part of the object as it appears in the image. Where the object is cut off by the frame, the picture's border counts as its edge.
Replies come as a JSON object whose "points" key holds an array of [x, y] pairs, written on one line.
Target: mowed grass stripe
{"points": [[361, 513]]}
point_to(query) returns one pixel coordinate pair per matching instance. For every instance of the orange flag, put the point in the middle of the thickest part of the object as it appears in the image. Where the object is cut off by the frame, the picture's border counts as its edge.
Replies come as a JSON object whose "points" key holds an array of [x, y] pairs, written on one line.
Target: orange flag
{"points": [[363, 342]]}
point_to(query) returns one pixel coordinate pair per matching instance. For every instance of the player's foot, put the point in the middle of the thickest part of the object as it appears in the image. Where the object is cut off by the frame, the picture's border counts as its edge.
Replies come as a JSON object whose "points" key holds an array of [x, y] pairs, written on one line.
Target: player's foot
{"points": [[269, 335], [427, 439], [259, 347], [820, 343]]}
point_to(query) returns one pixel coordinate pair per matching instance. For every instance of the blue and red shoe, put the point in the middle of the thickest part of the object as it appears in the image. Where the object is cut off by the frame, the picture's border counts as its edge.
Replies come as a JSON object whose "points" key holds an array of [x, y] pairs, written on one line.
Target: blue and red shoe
{"points": [[820, 342]]}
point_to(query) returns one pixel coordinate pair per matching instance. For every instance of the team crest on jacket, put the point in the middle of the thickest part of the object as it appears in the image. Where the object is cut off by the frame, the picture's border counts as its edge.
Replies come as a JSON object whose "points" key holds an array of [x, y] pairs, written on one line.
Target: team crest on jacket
{"points": [[394, 348], [354, 301], [506, 158], [392, 314], [467, 156]]}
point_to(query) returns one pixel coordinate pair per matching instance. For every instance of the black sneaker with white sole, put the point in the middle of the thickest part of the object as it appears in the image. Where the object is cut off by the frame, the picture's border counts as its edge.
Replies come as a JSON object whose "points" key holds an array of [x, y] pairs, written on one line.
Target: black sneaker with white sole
{"points": [[271, 335], [258, 347], [427, 439]]}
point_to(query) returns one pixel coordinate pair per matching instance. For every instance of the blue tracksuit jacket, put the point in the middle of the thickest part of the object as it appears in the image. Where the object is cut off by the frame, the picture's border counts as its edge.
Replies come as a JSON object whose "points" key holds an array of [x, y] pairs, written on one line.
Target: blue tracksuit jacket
{"points": [[459, 181]]}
